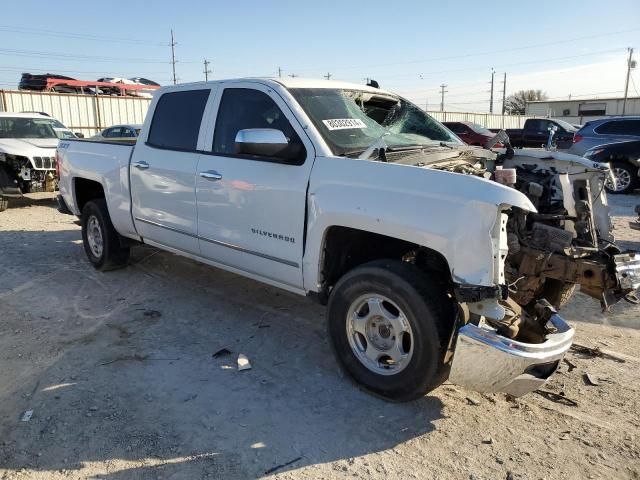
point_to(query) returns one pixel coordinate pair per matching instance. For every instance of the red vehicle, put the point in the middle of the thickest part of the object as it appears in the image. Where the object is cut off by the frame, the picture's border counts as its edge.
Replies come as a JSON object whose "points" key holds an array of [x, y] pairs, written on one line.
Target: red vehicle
{"points": [[470, 133]]}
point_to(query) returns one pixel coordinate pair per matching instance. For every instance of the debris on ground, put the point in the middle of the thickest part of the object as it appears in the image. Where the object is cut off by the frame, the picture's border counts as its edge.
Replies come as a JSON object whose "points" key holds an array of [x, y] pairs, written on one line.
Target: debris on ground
{"points": [[26, 416], [472, 401], [243, 362], [598, 352], [487, 440], [590, 380], [557, 397], [570, 364], [223, 352], [152, 314]]}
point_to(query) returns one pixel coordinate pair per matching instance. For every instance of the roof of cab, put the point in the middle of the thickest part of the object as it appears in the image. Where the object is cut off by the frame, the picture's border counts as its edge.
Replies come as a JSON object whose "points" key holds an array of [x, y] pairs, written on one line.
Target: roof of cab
{"points": [[296, 82], [24, 115]]}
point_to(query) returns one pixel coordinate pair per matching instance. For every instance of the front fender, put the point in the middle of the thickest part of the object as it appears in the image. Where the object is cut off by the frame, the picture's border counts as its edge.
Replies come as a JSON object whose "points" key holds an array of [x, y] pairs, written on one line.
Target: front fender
{"points": [[453, 214]]}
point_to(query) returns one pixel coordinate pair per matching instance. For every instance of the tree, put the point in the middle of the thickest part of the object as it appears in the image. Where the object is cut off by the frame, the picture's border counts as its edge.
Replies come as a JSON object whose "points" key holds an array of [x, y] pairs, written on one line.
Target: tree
{"points": [[516, 103]]}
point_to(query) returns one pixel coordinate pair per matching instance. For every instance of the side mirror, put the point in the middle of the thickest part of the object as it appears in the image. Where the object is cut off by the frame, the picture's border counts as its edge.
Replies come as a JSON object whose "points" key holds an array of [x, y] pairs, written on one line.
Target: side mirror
{"points": [[79, 135], [265, 142]]}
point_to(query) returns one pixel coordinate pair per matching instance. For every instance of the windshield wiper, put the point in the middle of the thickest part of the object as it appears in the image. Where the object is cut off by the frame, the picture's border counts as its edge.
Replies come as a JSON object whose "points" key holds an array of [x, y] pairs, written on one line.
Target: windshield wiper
{"points": [[378, 144]]}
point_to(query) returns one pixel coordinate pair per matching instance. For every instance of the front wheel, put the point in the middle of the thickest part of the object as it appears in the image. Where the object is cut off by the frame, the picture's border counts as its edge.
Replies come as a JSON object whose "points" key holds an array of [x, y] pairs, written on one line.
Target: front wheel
{"points": [[626, 178], [100, 239], [389, 326]]}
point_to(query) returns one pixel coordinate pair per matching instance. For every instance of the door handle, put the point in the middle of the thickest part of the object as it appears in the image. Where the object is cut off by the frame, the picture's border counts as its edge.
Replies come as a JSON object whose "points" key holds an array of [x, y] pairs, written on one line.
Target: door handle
{"points": [[211, 175], [141, 165]]}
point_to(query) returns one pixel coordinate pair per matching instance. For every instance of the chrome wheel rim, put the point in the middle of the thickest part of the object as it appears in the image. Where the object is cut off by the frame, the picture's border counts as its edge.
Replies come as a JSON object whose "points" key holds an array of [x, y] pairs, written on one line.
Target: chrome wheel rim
{"points": [[622, 180], [94, 236], [379, 334]]}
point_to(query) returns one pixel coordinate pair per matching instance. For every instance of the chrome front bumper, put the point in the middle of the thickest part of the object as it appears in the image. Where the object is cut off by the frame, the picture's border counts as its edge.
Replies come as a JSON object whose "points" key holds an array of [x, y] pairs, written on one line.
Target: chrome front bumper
{"points": [[485, 361]]}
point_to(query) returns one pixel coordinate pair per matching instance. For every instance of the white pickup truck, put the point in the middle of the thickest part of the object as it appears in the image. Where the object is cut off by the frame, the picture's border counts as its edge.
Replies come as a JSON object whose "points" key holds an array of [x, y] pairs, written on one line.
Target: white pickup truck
{"points": [[356, 197]]}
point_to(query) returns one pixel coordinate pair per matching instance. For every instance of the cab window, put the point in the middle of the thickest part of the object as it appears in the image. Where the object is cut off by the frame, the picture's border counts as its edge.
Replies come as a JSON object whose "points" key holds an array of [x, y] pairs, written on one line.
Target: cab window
{"points": [[243, 108]]}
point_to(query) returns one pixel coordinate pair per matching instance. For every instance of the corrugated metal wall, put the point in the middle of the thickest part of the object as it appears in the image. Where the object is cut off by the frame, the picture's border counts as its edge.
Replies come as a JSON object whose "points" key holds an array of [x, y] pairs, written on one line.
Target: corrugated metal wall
{"points": [[89, 113], [488, 120], [81, 113]]}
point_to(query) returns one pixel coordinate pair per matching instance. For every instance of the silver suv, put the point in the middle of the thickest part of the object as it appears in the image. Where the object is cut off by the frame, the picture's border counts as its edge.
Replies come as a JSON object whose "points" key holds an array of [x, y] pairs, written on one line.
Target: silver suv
{"points": [[603, 131]]}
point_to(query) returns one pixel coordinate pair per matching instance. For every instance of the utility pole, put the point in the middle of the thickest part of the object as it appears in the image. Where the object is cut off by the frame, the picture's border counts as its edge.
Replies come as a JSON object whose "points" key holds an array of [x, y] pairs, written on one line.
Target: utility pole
{"points": [[279, 72], [504, 92], [173, 58], [206, 70], [493, 72], [442, 92], [328, 76], [630, 64]]}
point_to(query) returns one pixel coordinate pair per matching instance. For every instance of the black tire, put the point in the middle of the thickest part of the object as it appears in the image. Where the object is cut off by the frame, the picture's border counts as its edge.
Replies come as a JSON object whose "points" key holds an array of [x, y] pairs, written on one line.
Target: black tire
{"points": [[633, 175], [430, 314], [112, 255], [4, 203]]}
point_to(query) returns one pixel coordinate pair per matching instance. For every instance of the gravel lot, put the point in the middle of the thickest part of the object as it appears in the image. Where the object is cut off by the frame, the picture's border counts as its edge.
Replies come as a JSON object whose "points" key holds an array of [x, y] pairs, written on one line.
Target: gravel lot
{"points": [[118, 370]]}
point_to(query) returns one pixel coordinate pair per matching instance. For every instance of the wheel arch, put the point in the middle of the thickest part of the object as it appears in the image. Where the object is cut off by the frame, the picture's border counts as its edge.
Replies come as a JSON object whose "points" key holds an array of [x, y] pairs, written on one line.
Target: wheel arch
{"points": [[344, 248]]}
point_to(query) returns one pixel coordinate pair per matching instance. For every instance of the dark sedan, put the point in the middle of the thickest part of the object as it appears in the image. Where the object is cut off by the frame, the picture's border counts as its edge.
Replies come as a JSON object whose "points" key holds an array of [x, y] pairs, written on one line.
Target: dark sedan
{"points": [[624, 159]]}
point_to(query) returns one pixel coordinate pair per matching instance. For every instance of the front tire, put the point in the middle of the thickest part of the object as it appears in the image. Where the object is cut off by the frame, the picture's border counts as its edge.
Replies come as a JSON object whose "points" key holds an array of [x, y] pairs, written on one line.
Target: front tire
{"points": [[626, 178], [100, 239], [389, 326]]}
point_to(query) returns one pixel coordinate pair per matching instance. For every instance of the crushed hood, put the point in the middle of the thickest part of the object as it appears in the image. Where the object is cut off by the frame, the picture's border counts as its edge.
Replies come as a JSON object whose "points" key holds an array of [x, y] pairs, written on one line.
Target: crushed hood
{"points": [[29, 147]]}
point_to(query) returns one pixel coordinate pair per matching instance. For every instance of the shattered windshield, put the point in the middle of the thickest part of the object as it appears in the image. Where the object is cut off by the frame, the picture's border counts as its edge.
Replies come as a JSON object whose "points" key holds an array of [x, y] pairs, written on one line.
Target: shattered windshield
{"points": [[24, 127], [351, 120]]}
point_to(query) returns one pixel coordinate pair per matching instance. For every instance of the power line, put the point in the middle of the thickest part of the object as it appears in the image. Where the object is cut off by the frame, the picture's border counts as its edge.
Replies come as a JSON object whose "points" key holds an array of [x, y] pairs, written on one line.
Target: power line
{"points": [[484, 53], [64, 56], [83, 36]]}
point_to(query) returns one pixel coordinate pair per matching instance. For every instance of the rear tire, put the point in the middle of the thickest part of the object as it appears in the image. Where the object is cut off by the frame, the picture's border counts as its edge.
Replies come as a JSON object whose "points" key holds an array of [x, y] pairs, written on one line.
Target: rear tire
{"points": [[4, 203], [389, 326], [100, 239], [626, 175]]}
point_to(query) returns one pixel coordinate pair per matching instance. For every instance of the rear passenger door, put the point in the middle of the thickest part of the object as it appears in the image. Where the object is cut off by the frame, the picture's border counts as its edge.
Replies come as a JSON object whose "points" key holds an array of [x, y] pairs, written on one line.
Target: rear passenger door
{"points": [[163, 170], [251, 209], [536, 133]]}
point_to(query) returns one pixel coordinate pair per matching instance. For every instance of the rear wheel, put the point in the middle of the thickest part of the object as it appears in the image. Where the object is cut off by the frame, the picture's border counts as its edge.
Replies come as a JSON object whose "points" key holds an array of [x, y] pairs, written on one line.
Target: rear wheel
{"points": [[100, 239], [389, 326], [4, 203], [626, 178]]}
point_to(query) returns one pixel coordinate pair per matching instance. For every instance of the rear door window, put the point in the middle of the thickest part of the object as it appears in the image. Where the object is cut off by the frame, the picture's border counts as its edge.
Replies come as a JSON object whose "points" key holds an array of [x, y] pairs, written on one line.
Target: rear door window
{"points": [[620, 127], [176, 120]]}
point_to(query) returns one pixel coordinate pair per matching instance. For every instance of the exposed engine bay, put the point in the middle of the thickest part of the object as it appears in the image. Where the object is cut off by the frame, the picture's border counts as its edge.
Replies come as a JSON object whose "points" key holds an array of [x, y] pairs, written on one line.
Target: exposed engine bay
{"points": [[567, 243], [18, 172]]}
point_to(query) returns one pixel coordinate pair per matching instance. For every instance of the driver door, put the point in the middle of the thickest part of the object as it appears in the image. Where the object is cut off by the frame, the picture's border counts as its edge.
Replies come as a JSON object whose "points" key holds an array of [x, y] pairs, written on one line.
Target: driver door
{"points": [[251, 208]]}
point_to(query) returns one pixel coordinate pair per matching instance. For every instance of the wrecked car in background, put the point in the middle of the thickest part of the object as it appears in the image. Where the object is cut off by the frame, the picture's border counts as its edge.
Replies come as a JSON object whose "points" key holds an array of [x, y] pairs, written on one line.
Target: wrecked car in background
{"points": [[28, 144], [435, 259]]}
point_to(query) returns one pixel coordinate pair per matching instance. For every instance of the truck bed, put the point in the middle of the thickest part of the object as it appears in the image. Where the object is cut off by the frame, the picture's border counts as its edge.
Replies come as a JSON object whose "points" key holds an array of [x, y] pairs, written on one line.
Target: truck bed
{"points": [[104, 162]]}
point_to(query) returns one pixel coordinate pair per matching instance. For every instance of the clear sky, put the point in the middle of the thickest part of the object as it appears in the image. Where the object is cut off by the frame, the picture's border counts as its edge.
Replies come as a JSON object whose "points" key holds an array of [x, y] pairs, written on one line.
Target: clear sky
{"points": [[410, 46]]}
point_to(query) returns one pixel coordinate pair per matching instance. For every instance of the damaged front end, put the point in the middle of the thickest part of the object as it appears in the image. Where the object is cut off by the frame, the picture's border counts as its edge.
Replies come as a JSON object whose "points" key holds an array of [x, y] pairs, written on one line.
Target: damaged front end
{"points": [[568, 242]]}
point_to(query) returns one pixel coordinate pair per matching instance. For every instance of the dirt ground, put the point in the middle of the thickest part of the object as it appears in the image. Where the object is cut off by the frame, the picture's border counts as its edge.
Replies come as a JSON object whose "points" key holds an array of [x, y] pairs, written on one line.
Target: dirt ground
{"points": [[117, 369]]}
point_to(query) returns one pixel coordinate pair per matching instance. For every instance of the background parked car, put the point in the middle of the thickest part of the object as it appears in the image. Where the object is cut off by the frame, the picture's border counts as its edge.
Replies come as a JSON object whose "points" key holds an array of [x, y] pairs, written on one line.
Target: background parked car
{"points": [[535, 133], [605, 131], [624, 158], [469, 132], [124, 133]]}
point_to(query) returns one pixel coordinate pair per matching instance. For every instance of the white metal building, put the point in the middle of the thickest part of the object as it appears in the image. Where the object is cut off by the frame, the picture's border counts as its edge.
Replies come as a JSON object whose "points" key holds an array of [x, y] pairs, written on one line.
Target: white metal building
{"points": [[583, 110]]}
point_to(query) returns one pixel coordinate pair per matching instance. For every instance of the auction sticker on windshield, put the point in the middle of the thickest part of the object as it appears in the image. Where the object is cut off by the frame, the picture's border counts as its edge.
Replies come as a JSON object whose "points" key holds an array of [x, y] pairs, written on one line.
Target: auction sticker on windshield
{"points": [[343, 123]]}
